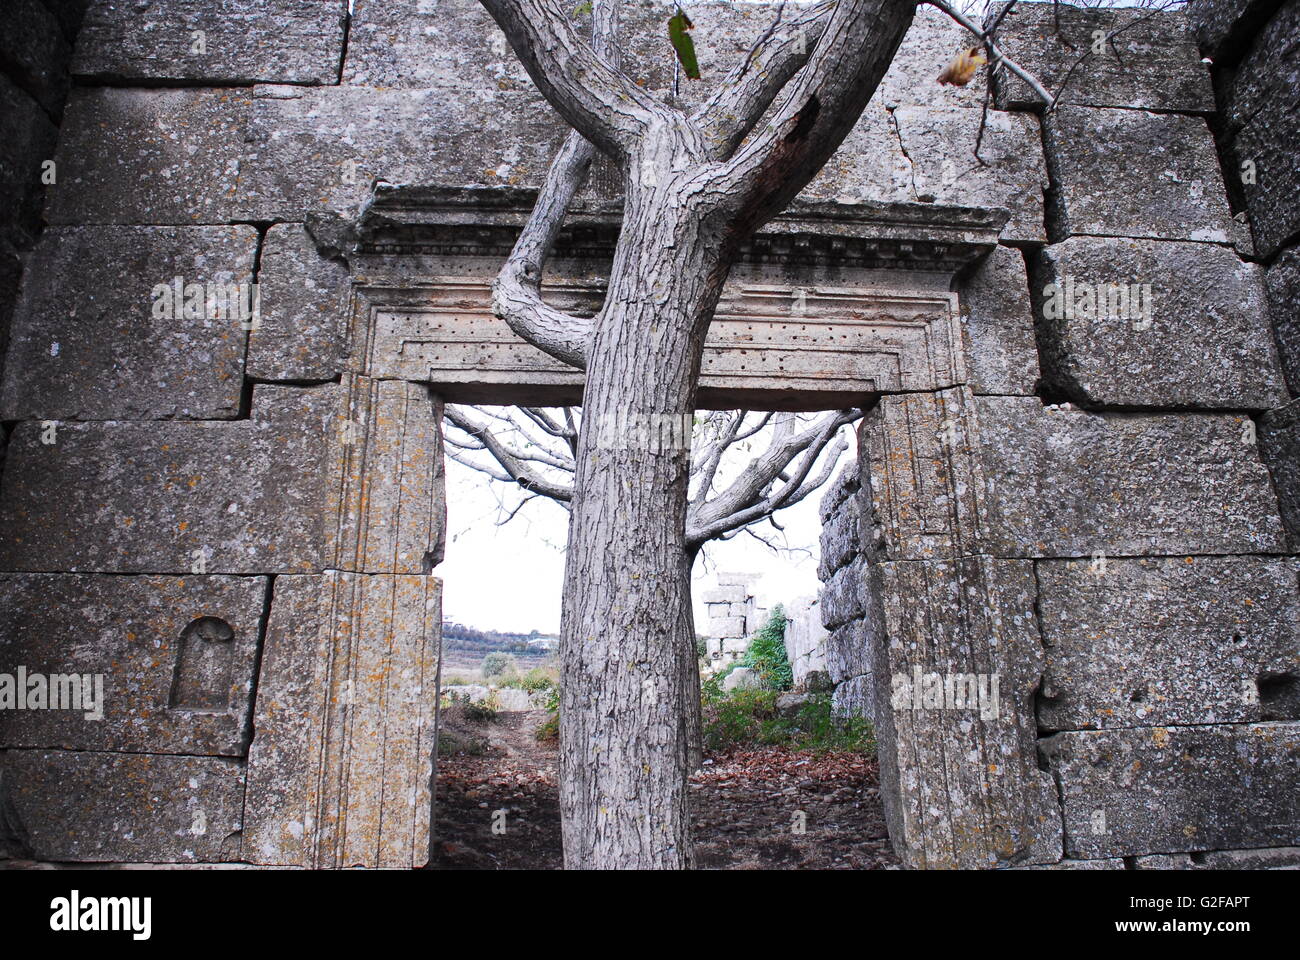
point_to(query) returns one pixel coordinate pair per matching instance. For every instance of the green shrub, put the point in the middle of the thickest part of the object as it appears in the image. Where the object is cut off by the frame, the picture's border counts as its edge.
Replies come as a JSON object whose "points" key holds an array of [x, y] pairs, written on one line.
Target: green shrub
{"points": [[766, 653], [749, 718], [549, 729], [498, 664]]}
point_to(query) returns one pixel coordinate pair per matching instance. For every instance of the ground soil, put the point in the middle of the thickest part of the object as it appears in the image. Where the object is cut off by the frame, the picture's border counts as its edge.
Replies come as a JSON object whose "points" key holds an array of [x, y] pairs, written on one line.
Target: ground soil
{"points": [[748, 805]]}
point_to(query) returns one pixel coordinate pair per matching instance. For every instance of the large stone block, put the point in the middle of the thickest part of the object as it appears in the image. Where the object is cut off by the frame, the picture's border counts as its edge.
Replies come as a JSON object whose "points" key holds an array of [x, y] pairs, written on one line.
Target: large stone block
{"points": [[1267, 858], [998, 325], [88, 340], [246, 496], [340, 769], [27, 139], [1147, 323], [227, 42], [957, 660], [853, 698], [1172, 789], [35, 52], [1283, 284], [1279, 445], [125, 807], [1178, 640], [728, 627], [1269, 73], [1151, 63], [846, 483], [1066, 483], [1221, 26], [939, 144], [318, 149], [176, 657], [842, 595], [305, 300], [726, 595], [150, 156], [1129, 173], [841, 538], [848, 649]]}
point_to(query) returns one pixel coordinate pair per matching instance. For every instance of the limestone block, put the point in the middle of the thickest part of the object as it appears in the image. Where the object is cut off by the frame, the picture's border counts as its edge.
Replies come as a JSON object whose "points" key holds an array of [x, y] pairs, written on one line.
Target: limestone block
{"points": [[727, 626], [1066, 483], [1279, 445], [1009, 172], [1129, 173], [1269, 73], [1220, 25], [853, 698], [974, 796], [150, 156], [805, 639], [726, 595], [849, 649], [841, 599], [840, 539], [386, 509], [176, 657], [239, 41], [244, 496], [846, 483], [340, 768], [1203, 342], [1153, 64], [1166, 789], [35, 51], [742, 678], [320, 148], [305, 302], [734, 647], [132, 807], [1178, 640], [92, 339], [1283, 284], [745, 580], [998, 325], [27, 140], [1266, 858]]}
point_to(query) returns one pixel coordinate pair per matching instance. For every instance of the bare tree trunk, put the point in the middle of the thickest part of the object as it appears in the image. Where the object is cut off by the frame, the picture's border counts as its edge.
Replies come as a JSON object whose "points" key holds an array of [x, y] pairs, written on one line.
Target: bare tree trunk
{"points": [[628, 637]]}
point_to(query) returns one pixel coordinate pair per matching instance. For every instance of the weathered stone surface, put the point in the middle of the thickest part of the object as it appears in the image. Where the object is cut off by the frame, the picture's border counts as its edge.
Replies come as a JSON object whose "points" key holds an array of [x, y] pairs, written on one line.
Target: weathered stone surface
{"points": [[727, 595], [1172, 789], [1279, 445], [385, 501], [320, 148], [1204, 342], [87, 340], [35, 52], [805, 639], [1269, 74], [849, 649], [176, 656], [1152, 64], [728, 627], [339, 771], [1110, 863], [1129, 173], [141, 497], [1283, 284], [239, 41], [840, 538], [939, 143], [742, 678], [126, 807], [1220, 26], [980, 799], [27, 139], [853, 698], [998, 326], [69, 13], [1178, 640], [1063, 482], [846, 483], [150, 156], [841, 599], [304, 322], [1267, 858]]}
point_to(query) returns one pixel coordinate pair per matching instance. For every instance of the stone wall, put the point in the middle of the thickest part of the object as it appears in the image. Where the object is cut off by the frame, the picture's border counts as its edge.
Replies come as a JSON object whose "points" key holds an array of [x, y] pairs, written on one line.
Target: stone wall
{"points": [[234, 521]]}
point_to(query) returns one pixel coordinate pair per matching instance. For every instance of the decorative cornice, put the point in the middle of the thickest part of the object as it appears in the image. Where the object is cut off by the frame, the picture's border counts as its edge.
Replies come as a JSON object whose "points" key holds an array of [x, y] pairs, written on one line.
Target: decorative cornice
{"points": [[484, 221]]}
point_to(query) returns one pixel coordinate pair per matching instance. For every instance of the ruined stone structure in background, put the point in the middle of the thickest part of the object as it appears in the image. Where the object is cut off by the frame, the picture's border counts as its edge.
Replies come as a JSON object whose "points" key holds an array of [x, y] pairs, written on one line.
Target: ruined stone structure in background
{"points": [[733, 617], [238, 527]]}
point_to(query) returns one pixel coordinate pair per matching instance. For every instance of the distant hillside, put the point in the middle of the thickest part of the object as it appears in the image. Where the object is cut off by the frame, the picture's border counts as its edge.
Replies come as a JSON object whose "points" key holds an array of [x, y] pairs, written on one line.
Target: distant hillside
{"points": [[457, 636]]}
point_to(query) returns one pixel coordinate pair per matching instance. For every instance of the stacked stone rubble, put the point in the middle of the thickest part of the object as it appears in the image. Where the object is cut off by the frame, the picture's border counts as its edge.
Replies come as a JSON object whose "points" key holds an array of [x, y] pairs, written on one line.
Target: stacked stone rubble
{"points": [[842, 572], [732, 616]]}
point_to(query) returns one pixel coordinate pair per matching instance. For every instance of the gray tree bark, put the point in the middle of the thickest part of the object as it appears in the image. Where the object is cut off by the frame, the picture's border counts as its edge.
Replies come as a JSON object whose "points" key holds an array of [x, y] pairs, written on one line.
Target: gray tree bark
{"points": [[695, 189]]}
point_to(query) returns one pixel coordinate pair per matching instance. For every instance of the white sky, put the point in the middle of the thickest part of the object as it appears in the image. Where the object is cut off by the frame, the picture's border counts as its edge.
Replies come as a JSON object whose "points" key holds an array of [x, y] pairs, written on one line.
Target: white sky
{"points": [[510, 577]]}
